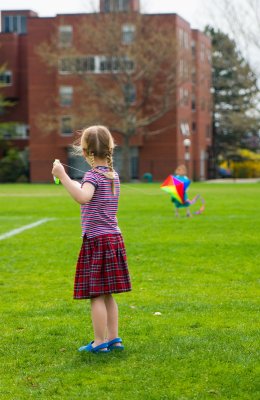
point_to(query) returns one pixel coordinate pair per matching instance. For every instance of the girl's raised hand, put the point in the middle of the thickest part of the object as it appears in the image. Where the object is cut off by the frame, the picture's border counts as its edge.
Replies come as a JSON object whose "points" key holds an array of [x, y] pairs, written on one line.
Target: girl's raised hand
{"points": [[58, 170]]}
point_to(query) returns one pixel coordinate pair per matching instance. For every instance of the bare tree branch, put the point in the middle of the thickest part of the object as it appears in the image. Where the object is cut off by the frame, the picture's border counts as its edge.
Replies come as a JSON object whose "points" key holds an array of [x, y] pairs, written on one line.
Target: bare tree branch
{"points": [[138, 80]]}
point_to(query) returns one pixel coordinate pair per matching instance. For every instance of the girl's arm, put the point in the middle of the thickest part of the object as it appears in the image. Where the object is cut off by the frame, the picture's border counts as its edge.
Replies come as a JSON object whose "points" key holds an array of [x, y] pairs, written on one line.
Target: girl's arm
{"points": [[80, 194]]}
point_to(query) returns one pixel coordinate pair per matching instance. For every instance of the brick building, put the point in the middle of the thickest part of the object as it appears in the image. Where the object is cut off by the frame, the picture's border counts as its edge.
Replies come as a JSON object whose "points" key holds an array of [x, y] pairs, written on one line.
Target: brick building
{"points": [[35, 91]]}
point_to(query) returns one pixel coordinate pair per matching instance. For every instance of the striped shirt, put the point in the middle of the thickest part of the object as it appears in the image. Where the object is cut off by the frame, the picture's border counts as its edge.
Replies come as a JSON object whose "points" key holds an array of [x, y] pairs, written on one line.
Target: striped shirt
{"points": [[98, 216]]}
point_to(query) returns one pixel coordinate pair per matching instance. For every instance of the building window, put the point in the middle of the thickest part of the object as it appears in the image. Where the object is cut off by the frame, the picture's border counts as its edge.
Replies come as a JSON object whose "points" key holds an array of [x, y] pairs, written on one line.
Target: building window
{"points": [[181, 32], [184, 96], [66, 66], [6, 78], [128, 33], [65, 35], [16, 131], [184, 69], [193, 49], [133, 162], [186, 40], [194, 126], [15, 23], [123, 5], [130, 93], [95, 64], [184, 128], [116, 5], [21, 131], [66, 126], [193, 102], [107, 6], [183, 39], [66, 96], [72, 65], [77, 164], [23, 24], [105, 64], [128, 65], [89, 64]]}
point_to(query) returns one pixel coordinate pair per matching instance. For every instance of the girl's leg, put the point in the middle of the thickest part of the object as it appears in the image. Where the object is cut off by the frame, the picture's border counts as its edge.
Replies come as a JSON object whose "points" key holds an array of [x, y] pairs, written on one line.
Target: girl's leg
{"points": [[188, 214], [112, 318], [99, 319]]}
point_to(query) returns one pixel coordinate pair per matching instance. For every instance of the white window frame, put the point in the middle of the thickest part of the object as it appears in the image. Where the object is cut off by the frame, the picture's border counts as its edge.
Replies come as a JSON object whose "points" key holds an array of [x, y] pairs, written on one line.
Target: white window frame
{"points": [[21, 131], [128, 33], [61, 125], [185, 128], [186, 96], [65, 35], [110, 65], [66, 96], [18, 21]]}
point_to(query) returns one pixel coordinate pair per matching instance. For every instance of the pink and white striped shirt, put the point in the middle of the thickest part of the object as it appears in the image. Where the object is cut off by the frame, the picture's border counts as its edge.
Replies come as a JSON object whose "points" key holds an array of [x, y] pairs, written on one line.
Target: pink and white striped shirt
{"points": [[98, 216]]}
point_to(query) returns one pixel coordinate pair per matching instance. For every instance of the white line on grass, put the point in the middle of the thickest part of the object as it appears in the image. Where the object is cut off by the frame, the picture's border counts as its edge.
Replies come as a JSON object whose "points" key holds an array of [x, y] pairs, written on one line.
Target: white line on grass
{"points": [[24, 228]]}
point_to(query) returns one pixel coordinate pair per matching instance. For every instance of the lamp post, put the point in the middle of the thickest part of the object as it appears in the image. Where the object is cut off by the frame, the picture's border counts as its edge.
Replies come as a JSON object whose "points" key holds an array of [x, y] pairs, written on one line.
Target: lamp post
{"points": [[187, 143]]}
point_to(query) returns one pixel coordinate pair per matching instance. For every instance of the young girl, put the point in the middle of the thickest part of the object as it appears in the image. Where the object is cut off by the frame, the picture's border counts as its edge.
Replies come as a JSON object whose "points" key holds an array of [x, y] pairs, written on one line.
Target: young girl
{"points": [[102, 266], [180, 173]]}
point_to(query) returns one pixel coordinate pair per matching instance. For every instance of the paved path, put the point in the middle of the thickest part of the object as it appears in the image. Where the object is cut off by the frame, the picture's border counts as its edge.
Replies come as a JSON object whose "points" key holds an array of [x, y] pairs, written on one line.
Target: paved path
{"points": [[231, 180]]}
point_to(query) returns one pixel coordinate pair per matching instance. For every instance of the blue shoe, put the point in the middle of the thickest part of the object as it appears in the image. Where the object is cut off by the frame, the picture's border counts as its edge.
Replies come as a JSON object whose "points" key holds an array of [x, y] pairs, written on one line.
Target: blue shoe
{"points": [[97, 349], [111, 344]]}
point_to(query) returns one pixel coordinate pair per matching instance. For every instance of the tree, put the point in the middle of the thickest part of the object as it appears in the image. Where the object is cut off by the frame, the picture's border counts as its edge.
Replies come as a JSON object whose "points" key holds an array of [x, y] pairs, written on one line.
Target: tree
{"points": [[5, 127], [13, 167], [242, 20], [234, 95], [140, 76]]}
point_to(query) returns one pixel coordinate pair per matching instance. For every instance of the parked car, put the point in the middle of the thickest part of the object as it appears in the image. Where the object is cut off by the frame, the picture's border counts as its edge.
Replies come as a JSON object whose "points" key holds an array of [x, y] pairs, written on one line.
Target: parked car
{"points": [[224, 173]]}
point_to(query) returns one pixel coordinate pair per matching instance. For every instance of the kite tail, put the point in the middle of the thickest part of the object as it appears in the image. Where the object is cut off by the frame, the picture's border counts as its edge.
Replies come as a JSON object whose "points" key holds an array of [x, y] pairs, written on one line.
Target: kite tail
{"points": [[194, 200]]}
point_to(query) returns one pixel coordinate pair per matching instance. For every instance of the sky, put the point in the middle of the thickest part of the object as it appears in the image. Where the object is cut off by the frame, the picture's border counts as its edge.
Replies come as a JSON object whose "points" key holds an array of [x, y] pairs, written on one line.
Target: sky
{"points": [[198, 13], [191, 10]]}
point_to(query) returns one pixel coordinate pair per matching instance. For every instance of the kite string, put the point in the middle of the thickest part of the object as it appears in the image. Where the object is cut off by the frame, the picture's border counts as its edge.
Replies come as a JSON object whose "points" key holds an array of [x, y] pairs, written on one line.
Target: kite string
{"points": [[124, 185], [144, 192], [69, 166]]}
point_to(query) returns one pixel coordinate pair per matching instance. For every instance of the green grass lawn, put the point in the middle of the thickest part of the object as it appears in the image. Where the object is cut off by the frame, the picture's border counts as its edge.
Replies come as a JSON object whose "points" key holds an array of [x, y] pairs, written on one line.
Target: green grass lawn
{"points": [[200, 273]]}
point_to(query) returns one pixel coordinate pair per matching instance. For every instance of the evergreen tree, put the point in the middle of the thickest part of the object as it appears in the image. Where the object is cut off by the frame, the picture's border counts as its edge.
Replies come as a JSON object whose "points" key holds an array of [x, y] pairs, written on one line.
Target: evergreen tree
{"points": [[234, 95]]}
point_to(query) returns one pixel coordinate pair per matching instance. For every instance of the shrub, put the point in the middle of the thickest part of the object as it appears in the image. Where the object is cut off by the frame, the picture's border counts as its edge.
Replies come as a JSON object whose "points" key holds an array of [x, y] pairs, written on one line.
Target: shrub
{"points": [[12, 167], [247, 167]]}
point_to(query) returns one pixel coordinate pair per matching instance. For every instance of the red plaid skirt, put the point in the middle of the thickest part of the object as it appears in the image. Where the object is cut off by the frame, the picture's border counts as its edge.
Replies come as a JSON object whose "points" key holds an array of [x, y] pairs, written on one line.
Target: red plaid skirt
{"points": [[101, 267]]}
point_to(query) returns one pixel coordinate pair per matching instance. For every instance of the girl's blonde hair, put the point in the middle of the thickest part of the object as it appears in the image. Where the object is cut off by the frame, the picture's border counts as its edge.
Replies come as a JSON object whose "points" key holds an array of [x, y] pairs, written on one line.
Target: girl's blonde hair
{"points": [[181, 170], [97, 141]]}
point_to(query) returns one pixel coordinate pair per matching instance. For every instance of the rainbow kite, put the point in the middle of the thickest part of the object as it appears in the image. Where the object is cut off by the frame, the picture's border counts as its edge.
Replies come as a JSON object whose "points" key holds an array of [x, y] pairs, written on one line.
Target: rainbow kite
{"points": [[177, 186]]}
